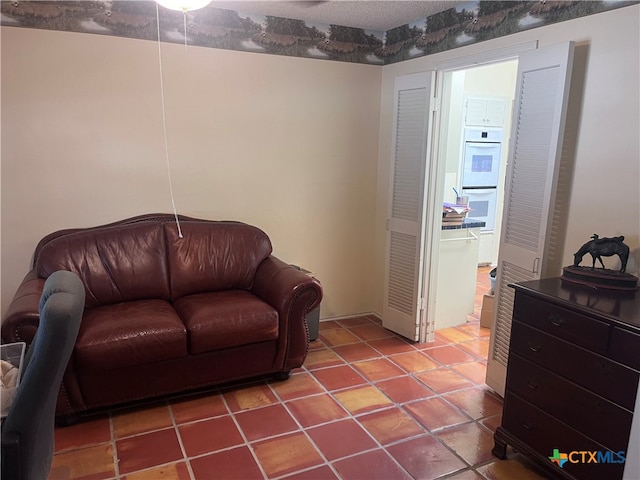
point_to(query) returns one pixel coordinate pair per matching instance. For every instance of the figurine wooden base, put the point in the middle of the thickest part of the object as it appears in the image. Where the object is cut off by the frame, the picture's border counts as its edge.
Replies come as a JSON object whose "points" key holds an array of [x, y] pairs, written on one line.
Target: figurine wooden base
{"points": [[600, 278]]}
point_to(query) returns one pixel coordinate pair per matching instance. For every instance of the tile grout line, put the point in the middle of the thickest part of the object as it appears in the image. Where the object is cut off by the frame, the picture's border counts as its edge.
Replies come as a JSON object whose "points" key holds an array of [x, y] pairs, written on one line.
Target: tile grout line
{"points": [[426, 431], [434, 433], [354, 418], [247, 443], [306, 434], [180, 442], [114, 448]]}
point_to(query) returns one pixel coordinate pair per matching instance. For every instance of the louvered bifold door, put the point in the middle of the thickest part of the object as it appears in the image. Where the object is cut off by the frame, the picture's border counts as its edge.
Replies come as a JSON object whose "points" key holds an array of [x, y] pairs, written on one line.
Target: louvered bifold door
{"points": [[405, 221], [536, 145]]}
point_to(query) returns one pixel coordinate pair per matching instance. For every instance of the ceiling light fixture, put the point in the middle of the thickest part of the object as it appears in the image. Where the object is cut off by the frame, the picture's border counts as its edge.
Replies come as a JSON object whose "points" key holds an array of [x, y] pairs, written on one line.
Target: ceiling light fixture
{"points": [[184, 5]]}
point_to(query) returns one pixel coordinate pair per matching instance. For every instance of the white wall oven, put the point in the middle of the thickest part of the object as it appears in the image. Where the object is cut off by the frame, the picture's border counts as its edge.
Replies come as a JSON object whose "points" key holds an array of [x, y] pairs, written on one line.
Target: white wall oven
{"points": [[482, 150], [481, 172], [482, 202]]}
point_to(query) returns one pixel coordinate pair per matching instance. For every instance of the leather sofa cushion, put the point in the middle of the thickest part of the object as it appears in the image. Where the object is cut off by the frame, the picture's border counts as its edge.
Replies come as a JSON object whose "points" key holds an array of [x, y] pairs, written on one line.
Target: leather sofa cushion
{"points": [[213, 257], [116, 264], [130, 333], [226, 319]]}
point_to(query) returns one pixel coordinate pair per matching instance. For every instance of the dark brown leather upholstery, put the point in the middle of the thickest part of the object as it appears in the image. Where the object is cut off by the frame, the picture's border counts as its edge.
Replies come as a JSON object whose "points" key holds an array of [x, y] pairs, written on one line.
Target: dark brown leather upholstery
{"points": [[116, 264], [226, 319], [166, 314]]}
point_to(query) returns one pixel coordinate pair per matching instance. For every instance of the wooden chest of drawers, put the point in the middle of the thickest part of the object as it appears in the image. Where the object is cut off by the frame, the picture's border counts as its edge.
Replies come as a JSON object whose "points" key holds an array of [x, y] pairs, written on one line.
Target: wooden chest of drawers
{"points": [[572, 378]]}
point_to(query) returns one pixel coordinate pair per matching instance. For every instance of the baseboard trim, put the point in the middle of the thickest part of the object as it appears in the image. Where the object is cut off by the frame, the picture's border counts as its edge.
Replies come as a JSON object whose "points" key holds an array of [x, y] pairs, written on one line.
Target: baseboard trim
{"points": [[344, 317]]}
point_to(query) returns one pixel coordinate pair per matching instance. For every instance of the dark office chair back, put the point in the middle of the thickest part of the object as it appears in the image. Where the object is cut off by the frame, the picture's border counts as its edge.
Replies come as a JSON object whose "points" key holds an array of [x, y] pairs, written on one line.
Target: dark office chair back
{"points": [[28, 430]]}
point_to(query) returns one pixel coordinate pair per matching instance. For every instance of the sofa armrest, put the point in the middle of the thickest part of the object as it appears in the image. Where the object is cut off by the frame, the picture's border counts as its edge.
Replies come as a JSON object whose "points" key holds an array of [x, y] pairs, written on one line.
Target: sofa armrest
{"points": [[21, 320], [293, 294]]}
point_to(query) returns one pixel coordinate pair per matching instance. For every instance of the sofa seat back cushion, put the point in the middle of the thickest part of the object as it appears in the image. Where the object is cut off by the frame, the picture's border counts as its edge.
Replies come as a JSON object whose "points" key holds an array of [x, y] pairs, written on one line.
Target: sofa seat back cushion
{"points": [[116, 264], [214, 256], [226, 319], [127, 334]]}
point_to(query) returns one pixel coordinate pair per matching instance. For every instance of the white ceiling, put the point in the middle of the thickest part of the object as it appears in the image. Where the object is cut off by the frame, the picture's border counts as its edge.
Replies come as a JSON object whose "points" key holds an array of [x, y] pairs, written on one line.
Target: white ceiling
{"points": [[367, 14]]}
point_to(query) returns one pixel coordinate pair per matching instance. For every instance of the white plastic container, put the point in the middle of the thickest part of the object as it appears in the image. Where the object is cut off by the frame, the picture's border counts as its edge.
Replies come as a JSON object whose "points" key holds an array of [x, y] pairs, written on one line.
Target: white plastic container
{"points": [[13, 355]]}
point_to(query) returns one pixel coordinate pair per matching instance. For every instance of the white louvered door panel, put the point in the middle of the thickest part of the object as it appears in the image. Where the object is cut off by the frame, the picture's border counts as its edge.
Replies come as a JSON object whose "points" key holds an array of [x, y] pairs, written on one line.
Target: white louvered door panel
{"points": [[502, 332], [536, 145], [405, 224]]}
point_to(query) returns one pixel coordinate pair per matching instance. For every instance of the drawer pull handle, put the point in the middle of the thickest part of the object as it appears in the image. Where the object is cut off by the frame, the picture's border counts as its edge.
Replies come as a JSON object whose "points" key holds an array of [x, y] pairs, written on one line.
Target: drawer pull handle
{"points": [[534, 348], [527, 426], [556, 319], [532, 384]]}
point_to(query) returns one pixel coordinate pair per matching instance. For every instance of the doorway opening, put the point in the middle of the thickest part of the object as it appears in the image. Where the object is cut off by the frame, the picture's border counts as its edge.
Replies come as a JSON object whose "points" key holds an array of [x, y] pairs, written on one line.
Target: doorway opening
{"points": [[473, 146]]}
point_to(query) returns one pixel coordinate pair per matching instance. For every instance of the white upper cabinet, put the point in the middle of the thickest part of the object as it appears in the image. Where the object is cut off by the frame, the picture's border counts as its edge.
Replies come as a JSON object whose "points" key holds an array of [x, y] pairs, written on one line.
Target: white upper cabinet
{"points": [[485, 112]]}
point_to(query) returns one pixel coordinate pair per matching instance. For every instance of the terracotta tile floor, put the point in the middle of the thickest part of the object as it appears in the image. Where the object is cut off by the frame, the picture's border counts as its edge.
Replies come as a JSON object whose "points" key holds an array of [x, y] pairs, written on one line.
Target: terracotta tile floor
{"points": [[366, 405]]}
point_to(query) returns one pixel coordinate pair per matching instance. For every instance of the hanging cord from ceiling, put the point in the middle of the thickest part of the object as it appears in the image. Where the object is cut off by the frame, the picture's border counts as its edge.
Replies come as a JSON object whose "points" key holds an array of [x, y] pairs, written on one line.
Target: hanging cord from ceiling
{"points": [[164, 116]]}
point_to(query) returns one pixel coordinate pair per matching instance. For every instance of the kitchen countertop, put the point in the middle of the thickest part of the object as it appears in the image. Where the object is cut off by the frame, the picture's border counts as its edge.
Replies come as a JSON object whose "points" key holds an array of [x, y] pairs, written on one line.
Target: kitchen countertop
{"points": [[466, 223]]}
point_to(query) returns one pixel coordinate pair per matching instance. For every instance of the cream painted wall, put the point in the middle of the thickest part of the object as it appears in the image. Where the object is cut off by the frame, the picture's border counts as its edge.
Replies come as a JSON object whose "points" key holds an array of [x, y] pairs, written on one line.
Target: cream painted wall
{"points": [[452, 119], [287, 144], [605, 124]]}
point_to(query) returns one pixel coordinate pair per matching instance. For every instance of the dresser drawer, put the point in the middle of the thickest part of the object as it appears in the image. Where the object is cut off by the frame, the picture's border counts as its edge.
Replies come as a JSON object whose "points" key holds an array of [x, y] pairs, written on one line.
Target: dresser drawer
{"points": [[600, 419], [543, 433], [625, 347], [596, 373], [580, 329]]}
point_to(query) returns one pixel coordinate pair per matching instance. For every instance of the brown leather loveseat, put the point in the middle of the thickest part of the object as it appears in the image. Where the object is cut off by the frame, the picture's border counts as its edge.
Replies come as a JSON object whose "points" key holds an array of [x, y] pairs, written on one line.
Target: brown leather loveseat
{"points": [[166, 314]]}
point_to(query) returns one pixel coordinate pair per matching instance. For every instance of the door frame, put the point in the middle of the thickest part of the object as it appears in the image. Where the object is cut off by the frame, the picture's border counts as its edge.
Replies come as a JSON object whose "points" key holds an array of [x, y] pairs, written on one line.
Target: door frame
{"points": [[436, 174]]}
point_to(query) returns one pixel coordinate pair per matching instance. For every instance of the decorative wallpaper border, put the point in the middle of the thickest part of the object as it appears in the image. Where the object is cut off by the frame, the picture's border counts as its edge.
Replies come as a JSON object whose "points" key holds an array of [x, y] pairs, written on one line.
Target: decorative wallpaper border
{"points": [[472, 22]]}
